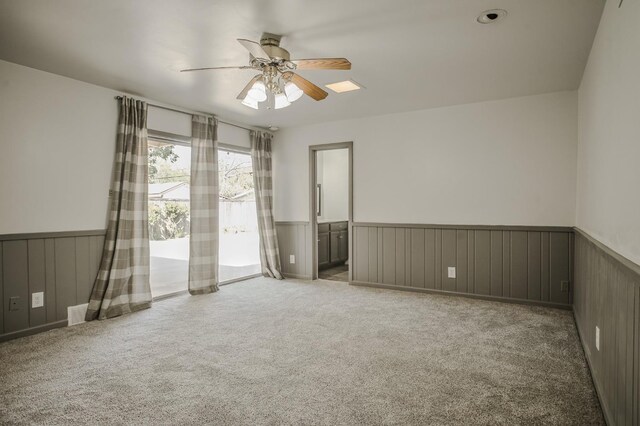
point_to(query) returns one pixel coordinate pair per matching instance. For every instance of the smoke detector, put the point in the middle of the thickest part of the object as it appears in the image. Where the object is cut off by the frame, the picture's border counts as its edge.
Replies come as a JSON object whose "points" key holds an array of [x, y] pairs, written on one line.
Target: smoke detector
{"points": [[491, 16]]}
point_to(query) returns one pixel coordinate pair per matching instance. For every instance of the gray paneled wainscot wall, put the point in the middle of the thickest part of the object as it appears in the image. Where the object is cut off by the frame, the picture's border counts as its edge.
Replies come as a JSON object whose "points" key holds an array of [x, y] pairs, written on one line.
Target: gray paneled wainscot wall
{"points": [[516, 263], [63, 265], [293, 240], [607, 296], [530, 264]]}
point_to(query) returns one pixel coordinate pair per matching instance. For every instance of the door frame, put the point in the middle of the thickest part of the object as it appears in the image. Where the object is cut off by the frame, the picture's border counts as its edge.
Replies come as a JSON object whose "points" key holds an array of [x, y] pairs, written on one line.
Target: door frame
{"points": [[313, 217]]}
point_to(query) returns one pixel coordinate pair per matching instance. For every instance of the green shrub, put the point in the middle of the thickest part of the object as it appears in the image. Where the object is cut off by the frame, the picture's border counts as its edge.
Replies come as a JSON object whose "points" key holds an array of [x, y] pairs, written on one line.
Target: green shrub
{"points": [[168, 220]]}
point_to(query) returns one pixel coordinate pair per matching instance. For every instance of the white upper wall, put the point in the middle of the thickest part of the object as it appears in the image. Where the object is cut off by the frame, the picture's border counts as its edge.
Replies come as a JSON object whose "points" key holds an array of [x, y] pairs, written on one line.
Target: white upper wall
{"points": [[58, 142], [608, 192], [507, 162], [180, 124], [333, 174]]}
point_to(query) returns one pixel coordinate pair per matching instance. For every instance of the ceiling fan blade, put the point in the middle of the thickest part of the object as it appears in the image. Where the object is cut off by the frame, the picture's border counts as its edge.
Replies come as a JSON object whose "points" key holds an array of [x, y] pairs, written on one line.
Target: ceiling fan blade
{"points": [[254, 48], [217, 68], [323, 64], [306, 86], [244, 92]]}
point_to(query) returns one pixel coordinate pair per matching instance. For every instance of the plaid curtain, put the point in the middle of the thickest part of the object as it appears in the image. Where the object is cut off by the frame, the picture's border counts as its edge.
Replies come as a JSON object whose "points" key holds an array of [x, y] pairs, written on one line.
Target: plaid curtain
{"points": [[122, 284], [261, 158], [203, 243]]}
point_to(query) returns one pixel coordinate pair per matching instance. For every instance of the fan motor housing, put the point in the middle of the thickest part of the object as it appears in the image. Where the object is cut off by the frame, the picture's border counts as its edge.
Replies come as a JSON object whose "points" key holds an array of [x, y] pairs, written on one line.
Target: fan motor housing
{"points": [[271, 45], [276, 52]]}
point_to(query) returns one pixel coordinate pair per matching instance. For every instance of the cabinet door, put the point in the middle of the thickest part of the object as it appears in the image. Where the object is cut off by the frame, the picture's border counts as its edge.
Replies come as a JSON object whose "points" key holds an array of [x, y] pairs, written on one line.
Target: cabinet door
{"points": [[343, 246], [323, 249], [335, 247]]}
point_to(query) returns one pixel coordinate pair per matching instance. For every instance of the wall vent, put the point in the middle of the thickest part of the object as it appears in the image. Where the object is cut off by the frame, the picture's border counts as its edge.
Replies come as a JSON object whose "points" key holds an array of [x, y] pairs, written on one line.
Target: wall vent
{"points": [[75, 314]]}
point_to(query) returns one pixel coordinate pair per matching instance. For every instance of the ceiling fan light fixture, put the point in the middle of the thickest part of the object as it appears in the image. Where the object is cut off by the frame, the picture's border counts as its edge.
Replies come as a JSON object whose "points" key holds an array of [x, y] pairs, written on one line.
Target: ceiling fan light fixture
{"points": [[280, 101], [250, 102], [258, 92], [277, 84], [292, 91]]}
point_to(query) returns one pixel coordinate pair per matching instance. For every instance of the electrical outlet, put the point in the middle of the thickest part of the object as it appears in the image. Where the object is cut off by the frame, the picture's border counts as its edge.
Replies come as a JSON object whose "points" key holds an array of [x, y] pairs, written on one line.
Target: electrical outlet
{"points": [[292, 258], [451, 271], [597, 337], [37, 299], [14, 303], [564, 286]]}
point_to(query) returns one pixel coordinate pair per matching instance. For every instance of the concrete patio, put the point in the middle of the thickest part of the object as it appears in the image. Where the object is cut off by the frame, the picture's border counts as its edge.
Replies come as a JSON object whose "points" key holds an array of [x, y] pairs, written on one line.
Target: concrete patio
{"points": [[238, 258]]}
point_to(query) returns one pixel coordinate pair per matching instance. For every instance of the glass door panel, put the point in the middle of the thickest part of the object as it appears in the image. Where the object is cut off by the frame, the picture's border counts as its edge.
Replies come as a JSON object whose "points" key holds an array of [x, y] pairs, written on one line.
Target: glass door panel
{"points": [[239, 239], [169, 177]]}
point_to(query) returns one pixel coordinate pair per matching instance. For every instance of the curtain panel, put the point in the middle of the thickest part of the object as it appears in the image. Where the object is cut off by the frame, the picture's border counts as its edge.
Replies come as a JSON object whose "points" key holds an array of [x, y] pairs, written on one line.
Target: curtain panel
{"points": [[122, 284], [204, 191], [262, 180]]}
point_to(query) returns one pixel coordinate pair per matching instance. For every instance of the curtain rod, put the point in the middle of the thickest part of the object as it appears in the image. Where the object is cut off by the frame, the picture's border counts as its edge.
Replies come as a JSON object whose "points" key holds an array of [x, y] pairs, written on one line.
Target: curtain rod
{"points": [[182, 111]]}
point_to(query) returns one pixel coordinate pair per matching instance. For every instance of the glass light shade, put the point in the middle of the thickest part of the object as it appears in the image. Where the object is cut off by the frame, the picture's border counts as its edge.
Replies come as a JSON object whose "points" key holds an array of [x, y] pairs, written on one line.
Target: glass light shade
{"points": [[257, 92], [250, 102], [292, 91], [281, 101]]}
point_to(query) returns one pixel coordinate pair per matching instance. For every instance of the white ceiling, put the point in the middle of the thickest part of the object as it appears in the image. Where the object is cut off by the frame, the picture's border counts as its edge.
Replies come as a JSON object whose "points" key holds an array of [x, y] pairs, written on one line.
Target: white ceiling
{"points": [[409, 54]]}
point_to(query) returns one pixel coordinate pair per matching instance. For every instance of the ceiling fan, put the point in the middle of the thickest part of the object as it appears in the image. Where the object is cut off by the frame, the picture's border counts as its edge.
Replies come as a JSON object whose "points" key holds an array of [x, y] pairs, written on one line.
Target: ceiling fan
{"points": [[277, 85]]}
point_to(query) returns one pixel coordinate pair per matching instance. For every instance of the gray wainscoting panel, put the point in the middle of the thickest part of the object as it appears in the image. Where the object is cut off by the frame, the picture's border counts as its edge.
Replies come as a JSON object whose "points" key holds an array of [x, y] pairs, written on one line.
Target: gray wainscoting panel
{"points": [[293, 239], [607, 296], [37, 280], [15, 269], [534, 266], [482, 257], [559, 265], [523, 263], [62, 265], [375, 254], [50, 279], [401, 266], [462, 237], [448, 254], [2, 309], [389, 256], [519, 272], [428, 258], [65, 265], [497, 271], [506, 264], [416, 252], [360, 263]]}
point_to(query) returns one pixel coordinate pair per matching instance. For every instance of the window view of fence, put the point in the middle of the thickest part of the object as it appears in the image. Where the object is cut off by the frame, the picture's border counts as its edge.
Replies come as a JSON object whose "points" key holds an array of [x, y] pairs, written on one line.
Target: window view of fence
{"points": [[239, 240], [169, 176]]}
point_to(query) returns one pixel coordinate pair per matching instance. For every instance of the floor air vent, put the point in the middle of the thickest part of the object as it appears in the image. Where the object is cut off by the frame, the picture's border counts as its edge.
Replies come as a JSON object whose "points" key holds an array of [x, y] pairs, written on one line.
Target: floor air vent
{"points": [[75, 314]]}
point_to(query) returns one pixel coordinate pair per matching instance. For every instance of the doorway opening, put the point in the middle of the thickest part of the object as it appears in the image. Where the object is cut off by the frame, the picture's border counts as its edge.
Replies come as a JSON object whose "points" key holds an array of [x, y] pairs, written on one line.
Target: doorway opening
{"points": [[331, 210]]}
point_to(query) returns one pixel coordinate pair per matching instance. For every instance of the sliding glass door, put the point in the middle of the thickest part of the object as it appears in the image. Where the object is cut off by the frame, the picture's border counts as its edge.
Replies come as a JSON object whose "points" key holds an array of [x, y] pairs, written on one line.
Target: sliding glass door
{"points": [[239, 239], [169, 176]]}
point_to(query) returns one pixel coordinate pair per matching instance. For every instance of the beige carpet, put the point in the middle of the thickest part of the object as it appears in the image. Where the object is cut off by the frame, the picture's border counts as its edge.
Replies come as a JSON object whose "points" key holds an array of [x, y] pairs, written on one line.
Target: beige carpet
{"points": [[293, 352]]}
